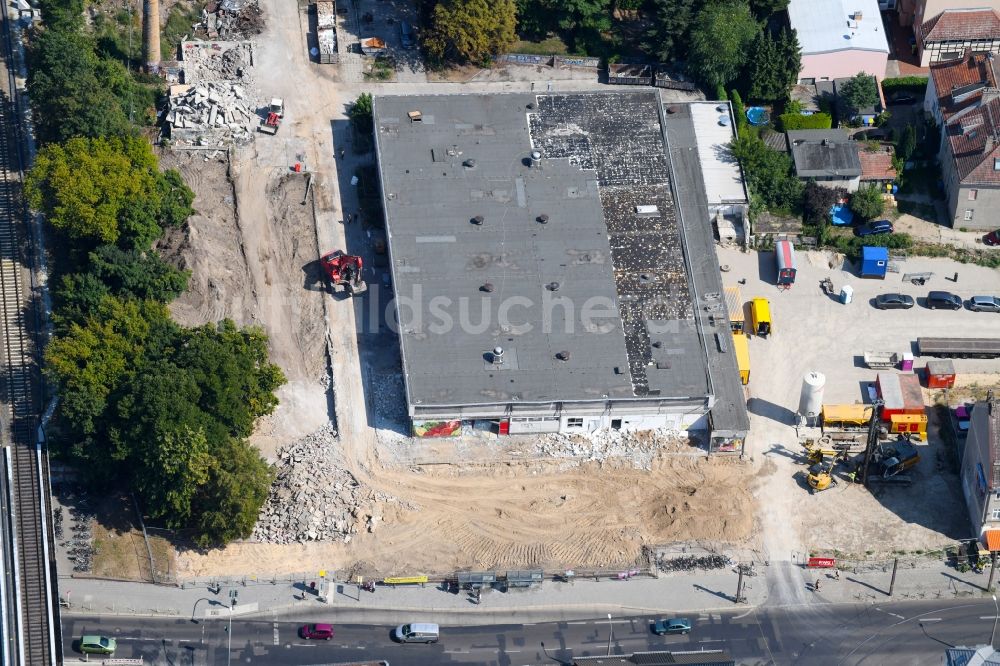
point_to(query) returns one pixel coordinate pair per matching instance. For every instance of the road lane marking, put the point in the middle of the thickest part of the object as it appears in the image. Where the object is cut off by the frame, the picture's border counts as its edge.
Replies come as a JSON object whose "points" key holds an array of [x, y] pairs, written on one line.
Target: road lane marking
{"points": [[577, 623], [931, 619], [988, 617], [276, 641]]}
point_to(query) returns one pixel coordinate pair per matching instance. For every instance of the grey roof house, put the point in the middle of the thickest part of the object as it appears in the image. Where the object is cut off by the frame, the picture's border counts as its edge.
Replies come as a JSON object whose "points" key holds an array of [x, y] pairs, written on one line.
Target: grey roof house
{"points": [[830, 157]]}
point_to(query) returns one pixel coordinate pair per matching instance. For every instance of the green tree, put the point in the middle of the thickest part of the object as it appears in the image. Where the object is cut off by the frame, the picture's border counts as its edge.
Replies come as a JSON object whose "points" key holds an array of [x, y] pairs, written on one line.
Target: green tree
{"points": [[773, 66], [361, 116], [102, 190], [867, 202], [671, 22], [470, 30], [93, 359], [762, 9], [769, 174], [907, 143], [175, 198], [584, 20], [228, 506], [173, 468], [859, 92], [720, 41]]}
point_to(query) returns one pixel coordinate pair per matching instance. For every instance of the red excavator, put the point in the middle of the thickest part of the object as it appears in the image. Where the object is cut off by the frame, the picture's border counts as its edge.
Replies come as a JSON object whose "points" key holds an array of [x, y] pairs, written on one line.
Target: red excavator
{"points": [[344, 269]]}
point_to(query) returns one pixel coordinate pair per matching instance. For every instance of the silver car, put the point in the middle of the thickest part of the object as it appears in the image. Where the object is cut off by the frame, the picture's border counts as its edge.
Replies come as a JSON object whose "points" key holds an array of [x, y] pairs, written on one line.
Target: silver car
{"points": [[984, 304]]}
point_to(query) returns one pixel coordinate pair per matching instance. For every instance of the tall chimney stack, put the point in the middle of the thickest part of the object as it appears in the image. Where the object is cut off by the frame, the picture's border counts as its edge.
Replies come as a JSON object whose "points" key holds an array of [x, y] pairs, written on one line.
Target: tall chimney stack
{"points": [[151, 34]]}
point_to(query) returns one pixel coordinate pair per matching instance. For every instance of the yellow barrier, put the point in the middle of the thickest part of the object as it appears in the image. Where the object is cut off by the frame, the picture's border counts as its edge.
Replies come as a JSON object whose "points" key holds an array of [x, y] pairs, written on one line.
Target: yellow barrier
{"points": [[405, 580]]}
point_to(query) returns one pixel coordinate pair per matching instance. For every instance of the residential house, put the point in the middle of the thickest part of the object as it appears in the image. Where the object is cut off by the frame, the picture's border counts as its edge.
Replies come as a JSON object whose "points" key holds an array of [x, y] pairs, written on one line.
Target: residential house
{"points": [[963, 97], [830, 157], [839, 38], [915, 13], [960, 84], [876, 167], [980, 470], [660, 658], [948, 35]]}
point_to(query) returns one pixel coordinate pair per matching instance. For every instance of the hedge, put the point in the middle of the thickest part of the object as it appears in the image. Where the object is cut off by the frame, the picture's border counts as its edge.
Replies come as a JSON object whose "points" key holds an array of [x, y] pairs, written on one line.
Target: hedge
{"points": [[796, 121], [915, 84]]}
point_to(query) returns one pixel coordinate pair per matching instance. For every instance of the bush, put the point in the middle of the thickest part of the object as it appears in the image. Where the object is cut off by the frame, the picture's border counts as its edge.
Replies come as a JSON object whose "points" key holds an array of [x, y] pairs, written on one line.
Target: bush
{"points": [[912, 84], [739, 110], [867, 202], [795, 121]]}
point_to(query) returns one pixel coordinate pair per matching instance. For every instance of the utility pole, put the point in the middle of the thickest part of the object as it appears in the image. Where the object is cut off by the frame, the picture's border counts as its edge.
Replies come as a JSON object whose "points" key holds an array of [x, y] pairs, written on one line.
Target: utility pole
{"points": [[993, 570], [233, 596], [892, 582], [611, 633], [872, 444]]}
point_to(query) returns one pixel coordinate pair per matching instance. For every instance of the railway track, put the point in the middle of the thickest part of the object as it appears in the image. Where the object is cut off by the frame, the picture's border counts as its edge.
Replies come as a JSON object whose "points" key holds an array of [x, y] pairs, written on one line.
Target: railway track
{"points": [[35, 627]]}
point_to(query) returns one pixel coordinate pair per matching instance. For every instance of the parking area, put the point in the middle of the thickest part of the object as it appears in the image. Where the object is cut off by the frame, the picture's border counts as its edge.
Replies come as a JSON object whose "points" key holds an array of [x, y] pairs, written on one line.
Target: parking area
{"points": [[394, 22], [815, 332]]}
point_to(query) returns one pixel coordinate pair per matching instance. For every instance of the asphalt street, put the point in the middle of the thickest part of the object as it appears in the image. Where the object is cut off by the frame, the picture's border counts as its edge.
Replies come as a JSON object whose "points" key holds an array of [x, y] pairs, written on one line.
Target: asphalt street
{"points": [[901, 633]]}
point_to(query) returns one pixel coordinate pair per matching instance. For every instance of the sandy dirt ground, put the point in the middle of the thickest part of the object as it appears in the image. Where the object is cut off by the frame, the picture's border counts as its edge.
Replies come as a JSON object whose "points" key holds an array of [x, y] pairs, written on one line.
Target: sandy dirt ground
{"points": [[537, 515], [444, 516]]}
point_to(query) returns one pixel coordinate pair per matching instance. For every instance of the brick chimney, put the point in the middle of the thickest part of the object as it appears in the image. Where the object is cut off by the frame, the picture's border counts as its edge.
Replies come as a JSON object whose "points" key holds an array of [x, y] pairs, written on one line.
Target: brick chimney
{"points": [[151, 34]]}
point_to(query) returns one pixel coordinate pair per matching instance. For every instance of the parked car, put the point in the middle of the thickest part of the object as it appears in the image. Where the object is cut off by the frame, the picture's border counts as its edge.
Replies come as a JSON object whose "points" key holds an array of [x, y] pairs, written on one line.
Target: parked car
{"points": [[406, 35], [418, 632], [902, 98], [675, 625], [97, 645], [873, 228], [984, 304], [943, 299], [316, 632], [893, 302], [992, 238]]}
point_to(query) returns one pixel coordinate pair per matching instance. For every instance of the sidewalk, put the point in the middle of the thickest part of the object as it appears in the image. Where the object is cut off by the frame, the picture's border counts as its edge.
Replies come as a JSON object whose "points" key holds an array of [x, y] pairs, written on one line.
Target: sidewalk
{"points": [[782, 584]]}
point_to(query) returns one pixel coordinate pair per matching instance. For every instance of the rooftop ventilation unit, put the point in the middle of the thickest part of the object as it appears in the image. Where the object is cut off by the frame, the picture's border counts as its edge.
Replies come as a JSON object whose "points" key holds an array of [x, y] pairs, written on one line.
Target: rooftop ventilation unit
{"points": [[415, 116], [478, 220], [487, 287], [552, 286], [543, 219], [536, 158], [562, 356], [469, 163], [647, 211], [497, 355]]}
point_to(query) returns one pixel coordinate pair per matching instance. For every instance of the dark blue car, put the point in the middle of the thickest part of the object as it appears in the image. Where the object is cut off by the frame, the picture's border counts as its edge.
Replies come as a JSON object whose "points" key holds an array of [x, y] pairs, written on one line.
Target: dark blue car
{"points": [[877, 227]]}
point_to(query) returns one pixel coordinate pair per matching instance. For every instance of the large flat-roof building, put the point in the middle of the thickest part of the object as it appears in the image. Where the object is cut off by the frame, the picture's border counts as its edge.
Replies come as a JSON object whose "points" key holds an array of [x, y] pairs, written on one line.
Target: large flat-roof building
{"points": [[541, 269]]}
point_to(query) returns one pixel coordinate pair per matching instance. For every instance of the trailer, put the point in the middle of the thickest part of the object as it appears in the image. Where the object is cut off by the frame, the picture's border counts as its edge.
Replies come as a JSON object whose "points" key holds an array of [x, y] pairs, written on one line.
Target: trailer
{"points": [[666, 76], [880, 360], [959, 347], [742, 350], [734, 304], [326, 31], [784, 254]]}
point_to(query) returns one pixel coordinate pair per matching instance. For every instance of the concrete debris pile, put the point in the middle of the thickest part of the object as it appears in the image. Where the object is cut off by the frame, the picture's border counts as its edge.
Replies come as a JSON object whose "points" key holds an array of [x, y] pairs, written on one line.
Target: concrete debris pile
{"points": [[211, 113], [217, 61], [233, 19], [640, 447], [390, 407], [313, 498]]}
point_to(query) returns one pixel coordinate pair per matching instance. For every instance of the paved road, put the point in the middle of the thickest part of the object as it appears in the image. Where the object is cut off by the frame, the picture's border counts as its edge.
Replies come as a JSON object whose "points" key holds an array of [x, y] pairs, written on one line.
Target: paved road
{"points": [[901, 633]]}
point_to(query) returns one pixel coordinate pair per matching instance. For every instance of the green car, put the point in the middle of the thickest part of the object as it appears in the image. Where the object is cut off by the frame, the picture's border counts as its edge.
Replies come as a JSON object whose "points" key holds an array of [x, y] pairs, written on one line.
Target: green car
{"points": [[97, 645], [675, 625]]}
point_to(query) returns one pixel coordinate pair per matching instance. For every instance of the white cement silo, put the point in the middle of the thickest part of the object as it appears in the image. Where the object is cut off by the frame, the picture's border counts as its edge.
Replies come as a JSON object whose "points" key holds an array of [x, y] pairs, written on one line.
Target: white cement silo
{"points": [[811, 398]]}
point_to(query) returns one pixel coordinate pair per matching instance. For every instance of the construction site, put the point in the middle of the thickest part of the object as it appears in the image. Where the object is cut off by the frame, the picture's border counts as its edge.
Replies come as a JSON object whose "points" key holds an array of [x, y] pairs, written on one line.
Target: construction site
{"points": [[396, 453]]}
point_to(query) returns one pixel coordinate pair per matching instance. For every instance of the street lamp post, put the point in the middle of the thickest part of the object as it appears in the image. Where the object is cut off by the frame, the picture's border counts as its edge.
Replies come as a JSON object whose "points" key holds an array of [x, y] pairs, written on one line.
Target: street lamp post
{"points": [[611, 633], [233, 596], [996, 616]]}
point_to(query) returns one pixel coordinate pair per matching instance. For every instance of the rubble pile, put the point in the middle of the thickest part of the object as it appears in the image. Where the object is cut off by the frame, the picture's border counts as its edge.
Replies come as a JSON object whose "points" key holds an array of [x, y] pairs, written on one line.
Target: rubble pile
{"points": [[217, 61], [388, 396], [640, 448], [211, 112], [234, 19], [313, 498]]}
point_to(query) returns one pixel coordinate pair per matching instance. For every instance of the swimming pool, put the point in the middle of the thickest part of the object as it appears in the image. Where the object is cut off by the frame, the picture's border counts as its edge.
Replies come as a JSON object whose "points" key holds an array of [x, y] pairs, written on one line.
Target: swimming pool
{"points": [[757, 115], [841, 214]]}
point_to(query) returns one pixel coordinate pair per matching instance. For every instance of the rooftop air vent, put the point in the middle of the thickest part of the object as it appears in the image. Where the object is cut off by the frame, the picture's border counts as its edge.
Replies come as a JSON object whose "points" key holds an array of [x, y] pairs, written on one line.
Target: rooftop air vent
{"points": [[497, 355], [478, 220], [469, 163], [552, 286], [647, 211], [415, 116], [487, 287], [543, 219], [562, 356], [536, 158], [531, 105]]}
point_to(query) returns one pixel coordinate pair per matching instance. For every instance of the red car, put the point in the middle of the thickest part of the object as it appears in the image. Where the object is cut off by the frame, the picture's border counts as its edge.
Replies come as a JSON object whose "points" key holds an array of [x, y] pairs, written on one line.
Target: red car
{"points": [[992, 238], [317, 632]]}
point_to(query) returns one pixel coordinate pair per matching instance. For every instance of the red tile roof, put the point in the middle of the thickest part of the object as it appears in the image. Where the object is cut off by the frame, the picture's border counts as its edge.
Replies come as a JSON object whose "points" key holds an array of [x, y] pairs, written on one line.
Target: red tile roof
{"points": [[961, 25], [966, 71], [974, 140], [876, 165]]}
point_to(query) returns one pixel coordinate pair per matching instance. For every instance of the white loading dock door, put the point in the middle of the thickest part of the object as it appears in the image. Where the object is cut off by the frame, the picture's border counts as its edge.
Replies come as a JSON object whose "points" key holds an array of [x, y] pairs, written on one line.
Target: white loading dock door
{"points": [[524, 425]]}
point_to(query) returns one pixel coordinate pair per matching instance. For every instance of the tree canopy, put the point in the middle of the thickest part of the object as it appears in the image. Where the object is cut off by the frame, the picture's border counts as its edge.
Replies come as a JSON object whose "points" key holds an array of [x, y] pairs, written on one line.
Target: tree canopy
{"points": [[671, 23], [720, 41], [106, 190], [770, 175], [867, 202], [470, 30], [773, 66], [859, 92]]}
